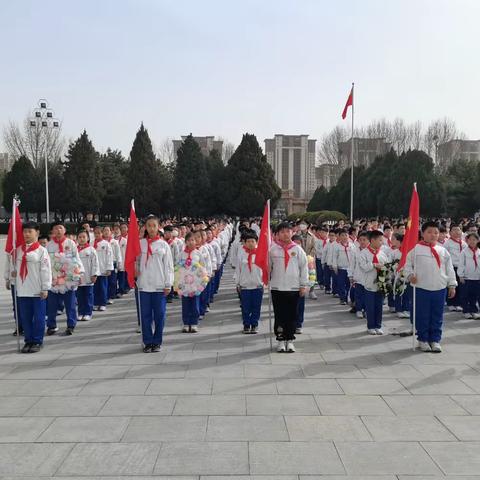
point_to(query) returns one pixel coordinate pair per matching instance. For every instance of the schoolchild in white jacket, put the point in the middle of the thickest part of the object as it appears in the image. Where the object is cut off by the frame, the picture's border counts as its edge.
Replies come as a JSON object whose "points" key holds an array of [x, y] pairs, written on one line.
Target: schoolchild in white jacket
{"points": [[154, 282], [329, 278], [356, 275], [342, 252], [105, 265], [455, 246], [469, 274], [117, 264]]}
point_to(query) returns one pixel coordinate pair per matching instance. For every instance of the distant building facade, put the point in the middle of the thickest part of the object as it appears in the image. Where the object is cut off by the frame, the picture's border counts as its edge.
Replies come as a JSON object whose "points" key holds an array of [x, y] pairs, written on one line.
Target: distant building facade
{"points": [[327, 175], [207, 144], [453, 150], [365, 150], [6, 162]]}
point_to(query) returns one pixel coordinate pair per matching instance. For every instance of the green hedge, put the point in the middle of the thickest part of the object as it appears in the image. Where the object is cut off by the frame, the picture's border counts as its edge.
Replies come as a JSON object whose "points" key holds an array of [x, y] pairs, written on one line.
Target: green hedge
{"points": [[318, 217]]}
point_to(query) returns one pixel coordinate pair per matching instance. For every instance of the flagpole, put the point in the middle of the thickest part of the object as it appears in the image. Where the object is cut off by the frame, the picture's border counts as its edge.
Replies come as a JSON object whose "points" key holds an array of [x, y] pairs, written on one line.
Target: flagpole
{"points": [[137, 291], [269, 288], [14, 260], [351, 157]]}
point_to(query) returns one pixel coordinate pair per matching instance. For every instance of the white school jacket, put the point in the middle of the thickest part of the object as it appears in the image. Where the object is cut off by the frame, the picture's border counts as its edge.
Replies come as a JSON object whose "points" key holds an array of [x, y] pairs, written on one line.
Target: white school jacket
{"points": [[455, 249], [467, 268], [354, 270], [213, 257], [217, 251], [236, 245], [327, 253], [174, 245], [207, 259], [117, 253], [156, 273], [122, 243], [89, 259], [429, 276], [39, 276], [365, 260], [296, 274], [245, 278], [320, 246], [340, 257], [105, 257], [69, 251]]}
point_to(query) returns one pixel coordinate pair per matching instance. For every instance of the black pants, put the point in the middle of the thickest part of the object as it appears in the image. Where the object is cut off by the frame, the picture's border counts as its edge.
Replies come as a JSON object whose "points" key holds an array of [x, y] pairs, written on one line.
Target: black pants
{"points": [[285, 305]]}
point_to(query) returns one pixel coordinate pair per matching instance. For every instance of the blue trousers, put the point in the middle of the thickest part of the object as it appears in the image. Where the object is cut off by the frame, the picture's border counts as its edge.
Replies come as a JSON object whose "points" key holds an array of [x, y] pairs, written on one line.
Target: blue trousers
{"points": [[373, 308], [122, 282], [53, 301], [471, 296], [153, 307], [343, 284], [429, 314], [112, 284], [359, 291], [319, 268], [204, 301], [100, 291], [327, 278], [211, 293], [19, 320], [32, 312], [85, 300], [251, 306], [402, 302], [218, 276], [300, 312], [458, 299], [334, 281], [190, 310]]}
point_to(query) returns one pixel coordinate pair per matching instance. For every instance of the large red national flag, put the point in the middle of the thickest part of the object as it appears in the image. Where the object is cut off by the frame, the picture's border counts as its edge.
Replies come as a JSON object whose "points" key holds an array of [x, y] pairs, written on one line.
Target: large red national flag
{"points": [[411, 233], [263, 247], [348, 104], [133, 246], [15, 231]]}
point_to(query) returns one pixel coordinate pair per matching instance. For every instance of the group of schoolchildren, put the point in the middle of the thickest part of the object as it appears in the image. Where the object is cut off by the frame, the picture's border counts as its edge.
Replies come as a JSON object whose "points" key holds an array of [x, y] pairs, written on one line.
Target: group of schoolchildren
{"points": [[82, 272]]}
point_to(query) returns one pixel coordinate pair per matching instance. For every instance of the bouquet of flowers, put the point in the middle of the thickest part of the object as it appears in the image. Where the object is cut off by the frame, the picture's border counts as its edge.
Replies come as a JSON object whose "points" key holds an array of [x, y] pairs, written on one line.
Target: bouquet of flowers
{"points": [[386, 277], [191, 277], [66, 271], [312, 271]]}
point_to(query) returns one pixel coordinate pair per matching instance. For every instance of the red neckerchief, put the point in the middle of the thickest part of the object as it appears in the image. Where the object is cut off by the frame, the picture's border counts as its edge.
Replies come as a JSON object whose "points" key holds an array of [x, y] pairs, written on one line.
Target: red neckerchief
{"points": [[170, 241], [372, 251], [250, 253], [353, 239], [23, 265], [149, 246], [432, 250], [474, 251], [96, 242], [188, 261], [80, 247], [459, 243], [59, 243], [389, 242], [345, 247], [286, 248], [124, 235], [108, 239]]}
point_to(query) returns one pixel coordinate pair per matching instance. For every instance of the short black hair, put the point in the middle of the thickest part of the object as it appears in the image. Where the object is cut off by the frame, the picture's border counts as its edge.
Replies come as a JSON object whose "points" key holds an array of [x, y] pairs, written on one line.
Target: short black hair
{"points": [[363, 233], [250, 235], [168, 228], [472, 234], [57, 223], [430, 225], [189, 235], [31, 226], [296, 238], [375, 234], [398, 237], [283, 226]]}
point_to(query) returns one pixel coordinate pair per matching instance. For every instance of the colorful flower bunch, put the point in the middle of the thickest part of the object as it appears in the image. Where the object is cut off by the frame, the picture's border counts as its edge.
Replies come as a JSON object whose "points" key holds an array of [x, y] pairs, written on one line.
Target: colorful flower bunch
{"points": [[312, 271], [191, 277], [66, 271]]}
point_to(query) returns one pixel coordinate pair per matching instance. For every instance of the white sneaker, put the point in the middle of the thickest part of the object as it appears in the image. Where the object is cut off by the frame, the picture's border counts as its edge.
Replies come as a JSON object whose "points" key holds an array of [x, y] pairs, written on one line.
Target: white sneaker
{"points": [[290, 347], [299, 330], [185, 329], [281, 347], [391, 309], [86, 318], [379, 331], [81, 319], [102, 308], [359, 314], [312, 295], [435, 347], [400, 315], [109, 302], [476, 316], [424, 347], [458, 309], [451, 308], [467, 316], [194, 329], [371, 331], [138, 330], [406, 314]]}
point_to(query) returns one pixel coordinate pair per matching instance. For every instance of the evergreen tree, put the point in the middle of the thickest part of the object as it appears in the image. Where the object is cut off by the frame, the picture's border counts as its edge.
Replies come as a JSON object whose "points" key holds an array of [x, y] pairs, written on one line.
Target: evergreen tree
{"points": [[82, 176], [191, 180], [249, 180], [114, 171], [215, 172], [319, 201]]}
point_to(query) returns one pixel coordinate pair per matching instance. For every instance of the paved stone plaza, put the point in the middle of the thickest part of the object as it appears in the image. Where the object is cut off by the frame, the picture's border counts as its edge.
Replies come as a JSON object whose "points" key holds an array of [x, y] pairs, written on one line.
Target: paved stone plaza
{"points": [[218, 405]]}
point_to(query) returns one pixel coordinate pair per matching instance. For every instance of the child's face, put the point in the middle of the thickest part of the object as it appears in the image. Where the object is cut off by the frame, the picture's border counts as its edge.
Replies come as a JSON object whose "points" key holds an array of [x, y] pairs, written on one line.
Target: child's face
{"points": [[332, 237], [442, 236], [396, 243], [152, 228], [250, 243], [455, 233], [430, 235], [116, 231], [43, 242], [82, 238], [363, 241], [376, 242], [30, 235], [58, 231], [190, 243], [198, 239], [97, 233], [123, 229], [107, 233], [472, 242], [387, 233], [285, 235], [343, 237]]}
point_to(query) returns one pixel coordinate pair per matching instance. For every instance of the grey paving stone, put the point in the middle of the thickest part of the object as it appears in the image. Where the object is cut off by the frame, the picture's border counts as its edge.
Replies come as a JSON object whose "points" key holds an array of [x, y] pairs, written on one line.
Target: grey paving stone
{"points": [[352, 405], [471, 403], [98, 371], [180, 386], [66, 406], [33, 459], [309, 386], [124, 386], [254, 428], [391, 371], [372, 386], [268, 458], [137, 405], [22, 429], [166, 429], [437, 386], [374, 458], [332, 371], [215, 371], [244, 386], [85, 429], [326, 428], [417, 428], [41, 387], [447, 370], [211, 405], [281, 405], [16, 406], [110, 459], [424, 405], [157, 371], [273, 371], [37, 372], [455, 458], [204, 458], [466, 429]]}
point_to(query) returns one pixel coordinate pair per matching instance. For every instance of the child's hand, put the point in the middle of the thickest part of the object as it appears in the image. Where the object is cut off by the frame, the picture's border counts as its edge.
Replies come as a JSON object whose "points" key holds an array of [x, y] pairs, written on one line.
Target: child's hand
{"points": [[93, 279], [7, 284], [462, 280], [166, 291], [302, 291], [412, 279], [43, 295], [451, 292]]}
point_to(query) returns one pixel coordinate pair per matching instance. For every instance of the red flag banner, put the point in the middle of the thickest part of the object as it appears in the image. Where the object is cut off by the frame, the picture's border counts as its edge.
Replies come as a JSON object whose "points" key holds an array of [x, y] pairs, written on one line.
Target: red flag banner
{"points": [[411, 233], [263, 248], [15, 232], [348, 104], [133, 246]]}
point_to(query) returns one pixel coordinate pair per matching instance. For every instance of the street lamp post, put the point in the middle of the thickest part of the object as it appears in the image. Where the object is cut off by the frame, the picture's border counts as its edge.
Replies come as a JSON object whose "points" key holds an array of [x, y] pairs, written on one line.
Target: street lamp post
{"points": [[43, 118]]}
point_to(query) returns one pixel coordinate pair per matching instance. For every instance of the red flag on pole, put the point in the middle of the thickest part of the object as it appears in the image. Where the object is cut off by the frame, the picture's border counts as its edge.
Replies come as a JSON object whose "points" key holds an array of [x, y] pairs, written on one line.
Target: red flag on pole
{"points": [[411, 233], [263, 248], [348, 104], [133, 246], [15, 232]]}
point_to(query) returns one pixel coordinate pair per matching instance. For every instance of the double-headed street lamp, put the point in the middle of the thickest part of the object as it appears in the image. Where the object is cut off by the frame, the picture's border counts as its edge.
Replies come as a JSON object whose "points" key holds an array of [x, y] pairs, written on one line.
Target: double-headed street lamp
{"points": [[43, 119]]}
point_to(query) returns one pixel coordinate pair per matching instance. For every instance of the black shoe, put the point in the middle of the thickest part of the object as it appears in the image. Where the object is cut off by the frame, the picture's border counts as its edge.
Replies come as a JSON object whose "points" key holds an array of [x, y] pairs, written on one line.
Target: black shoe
{"points": [[15, 333], [147, 349], [35, 347], [26, 348], [52, 331], [155, 348], [69, 330], [246, 329], [253, 329], [353, 310]]}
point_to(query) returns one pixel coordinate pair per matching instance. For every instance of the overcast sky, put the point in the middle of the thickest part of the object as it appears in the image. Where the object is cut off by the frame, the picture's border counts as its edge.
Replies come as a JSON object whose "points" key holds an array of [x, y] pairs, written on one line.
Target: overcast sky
{"points": [[227, 67]]}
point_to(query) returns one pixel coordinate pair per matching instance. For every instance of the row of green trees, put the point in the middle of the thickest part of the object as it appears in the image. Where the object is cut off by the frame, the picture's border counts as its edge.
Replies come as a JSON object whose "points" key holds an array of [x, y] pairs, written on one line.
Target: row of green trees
{"points": [[194, 185], [384, 188]]}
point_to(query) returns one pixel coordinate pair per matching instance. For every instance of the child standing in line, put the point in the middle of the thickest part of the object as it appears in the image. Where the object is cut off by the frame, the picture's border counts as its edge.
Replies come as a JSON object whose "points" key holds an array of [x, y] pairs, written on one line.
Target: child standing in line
{"points": [[105, 266], [469, 275], [355, 274]]}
